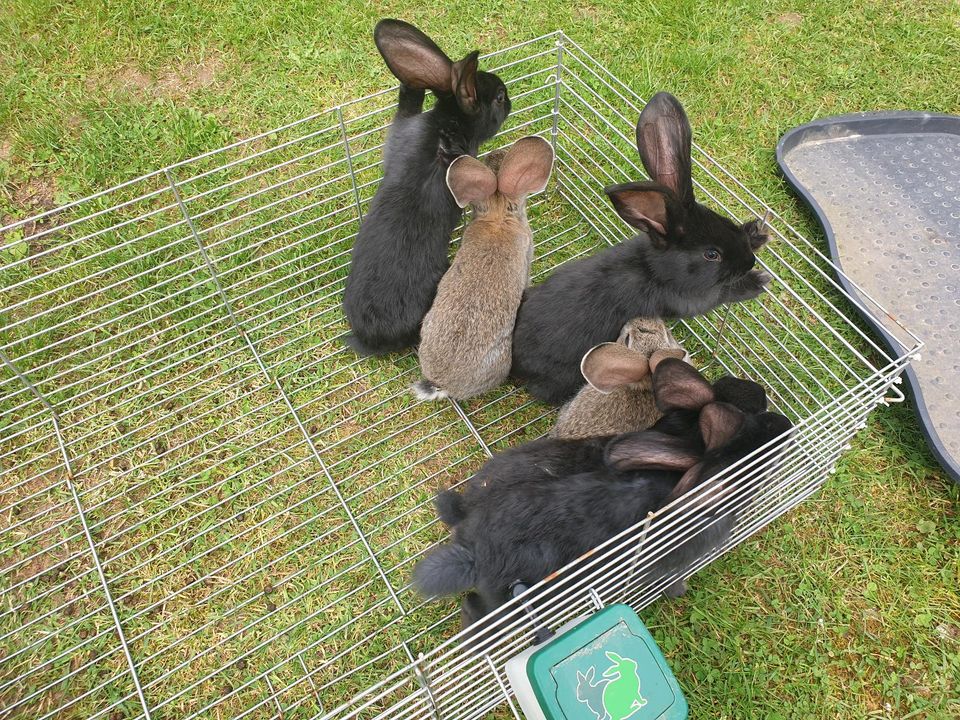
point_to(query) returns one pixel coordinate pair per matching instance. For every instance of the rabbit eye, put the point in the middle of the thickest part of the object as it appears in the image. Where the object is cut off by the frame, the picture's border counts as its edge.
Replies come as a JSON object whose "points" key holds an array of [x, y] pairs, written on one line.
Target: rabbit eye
{"points": [[501, 96], [712, 254]]}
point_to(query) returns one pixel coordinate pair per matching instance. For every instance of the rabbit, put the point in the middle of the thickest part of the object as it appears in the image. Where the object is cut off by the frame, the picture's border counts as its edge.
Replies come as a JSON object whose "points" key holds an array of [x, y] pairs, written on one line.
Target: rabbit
{"points": [[465, 340], [621, 694], [590, 693], [526, 530], [550, 458], [688, 261], [707, 529], [680, 392], [400, 252], [618, 397]]}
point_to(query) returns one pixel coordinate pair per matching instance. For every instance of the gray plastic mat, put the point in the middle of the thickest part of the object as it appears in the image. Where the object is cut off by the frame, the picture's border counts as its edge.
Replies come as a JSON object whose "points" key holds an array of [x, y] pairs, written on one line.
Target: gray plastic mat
{"points": [[886, 188]]}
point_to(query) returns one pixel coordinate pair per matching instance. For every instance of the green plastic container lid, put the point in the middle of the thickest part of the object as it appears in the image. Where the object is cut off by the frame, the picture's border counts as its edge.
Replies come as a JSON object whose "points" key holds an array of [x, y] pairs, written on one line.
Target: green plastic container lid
{"points": [[608, 667]]}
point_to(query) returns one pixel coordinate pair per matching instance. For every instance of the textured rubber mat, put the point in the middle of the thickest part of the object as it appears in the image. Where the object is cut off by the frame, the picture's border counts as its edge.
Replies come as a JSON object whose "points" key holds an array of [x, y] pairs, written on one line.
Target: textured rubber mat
{"points": [[886, 188]]}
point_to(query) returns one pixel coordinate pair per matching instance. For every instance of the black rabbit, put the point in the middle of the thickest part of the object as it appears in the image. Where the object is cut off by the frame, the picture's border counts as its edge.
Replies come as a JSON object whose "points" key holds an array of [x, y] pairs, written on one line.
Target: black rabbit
{"points": [[528, 527], [688, 261], [400, 252], [707, 522], [682, 393]]}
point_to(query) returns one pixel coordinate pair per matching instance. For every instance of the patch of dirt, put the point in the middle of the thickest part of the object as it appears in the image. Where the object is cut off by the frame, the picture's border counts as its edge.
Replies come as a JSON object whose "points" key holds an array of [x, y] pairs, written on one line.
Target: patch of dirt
{"points": [[132, 79], [33, 197], [41, 513], [36, 194], [917, 683], [6, 150], [187, 78], [948, 632], [790, 19], [73, 122], [177, 81]]}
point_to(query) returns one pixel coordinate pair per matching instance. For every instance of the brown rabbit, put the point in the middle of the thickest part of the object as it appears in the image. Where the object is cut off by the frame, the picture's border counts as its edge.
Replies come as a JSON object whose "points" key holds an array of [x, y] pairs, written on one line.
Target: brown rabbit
{"points": [[618, 397], [465, 340]]}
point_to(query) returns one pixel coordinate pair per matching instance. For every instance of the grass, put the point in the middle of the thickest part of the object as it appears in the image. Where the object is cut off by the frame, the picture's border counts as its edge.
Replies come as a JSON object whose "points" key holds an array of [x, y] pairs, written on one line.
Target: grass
{"points": [[197, 485]]}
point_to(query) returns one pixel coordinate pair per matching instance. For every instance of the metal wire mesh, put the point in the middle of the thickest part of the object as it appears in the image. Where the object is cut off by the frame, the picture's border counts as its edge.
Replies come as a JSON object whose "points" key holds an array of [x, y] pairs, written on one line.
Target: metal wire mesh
{"points": [[210, 508]]}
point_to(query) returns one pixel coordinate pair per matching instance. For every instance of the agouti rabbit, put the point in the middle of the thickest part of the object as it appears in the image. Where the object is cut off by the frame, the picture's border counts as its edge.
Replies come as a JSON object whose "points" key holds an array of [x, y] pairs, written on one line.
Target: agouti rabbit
{"points": [[400, 252], [618, 397], [526, 529], [688, 261], [465, 340]]}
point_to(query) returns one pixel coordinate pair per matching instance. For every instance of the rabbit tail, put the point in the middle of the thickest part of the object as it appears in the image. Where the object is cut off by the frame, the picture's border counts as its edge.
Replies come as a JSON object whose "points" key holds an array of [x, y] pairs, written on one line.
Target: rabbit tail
{"points": [[425, 390], [447, 570]]}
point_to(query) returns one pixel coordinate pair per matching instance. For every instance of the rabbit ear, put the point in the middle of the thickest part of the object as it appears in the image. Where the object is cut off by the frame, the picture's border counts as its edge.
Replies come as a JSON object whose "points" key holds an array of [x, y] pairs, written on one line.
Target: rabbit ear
{"points": [[470, 181], [690, 479], [611, 365], [663, 139], [463, 77], [413, 58], [678, 386], [526, 167], [616, 659], [658, 356], [643, 205], [719, 423], [651, 450]]}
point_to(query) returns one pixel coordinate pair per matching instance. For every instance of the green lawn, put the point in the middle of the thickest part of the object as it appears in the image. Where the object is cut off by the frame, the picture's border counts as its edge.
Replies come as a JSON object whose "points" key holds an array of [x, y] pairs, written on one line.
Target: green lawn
{"points": [[847, 608]]}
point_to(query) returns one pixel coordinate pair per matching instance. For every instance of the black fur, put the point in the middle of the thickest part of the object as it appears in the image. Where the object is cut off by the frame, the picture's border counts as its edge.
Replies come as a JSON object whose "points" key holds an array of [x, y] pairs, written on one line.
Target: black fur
{"points": [[681, 392], [709, 522], [449, 504], [673, 381], [519, 521], [664, 272], [531, 526], [448, 570], [400, 252], [744, 394], [545, 458]]}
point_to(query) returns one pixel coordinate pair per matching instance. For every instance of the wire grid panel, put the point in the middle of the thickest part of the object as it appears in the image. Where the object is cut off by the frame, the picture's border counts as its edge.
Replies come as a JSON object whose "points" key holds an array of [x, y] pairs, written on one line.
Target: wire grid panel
{"points": [[211, 508]]}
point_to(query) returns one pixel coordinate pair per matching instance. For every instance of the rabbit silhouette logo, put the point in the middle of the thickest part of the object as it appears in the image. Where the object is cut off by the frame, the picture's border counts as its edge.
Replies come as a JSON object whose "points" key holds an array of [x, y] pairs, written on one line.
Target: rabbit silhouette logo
{"points": [[618, 696]]}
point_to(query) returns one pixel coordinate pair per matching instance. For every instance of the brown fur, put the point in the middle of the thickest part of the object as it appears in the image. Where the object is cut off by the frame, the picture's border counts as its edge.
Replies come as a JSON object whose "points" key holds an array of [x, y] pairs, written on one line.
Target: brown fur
{"points": [[626, 408], [465, 340]]}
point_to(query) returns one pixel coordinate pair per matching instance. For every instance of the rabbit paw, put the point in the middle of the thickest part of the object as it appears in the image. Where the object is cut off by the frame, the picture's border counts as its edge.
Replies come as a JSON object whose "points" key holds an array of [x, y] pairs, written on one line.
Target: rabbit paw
{"points": [[749, 286], [761, 278], [758, 233], [452, 144], [675, 589]]}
